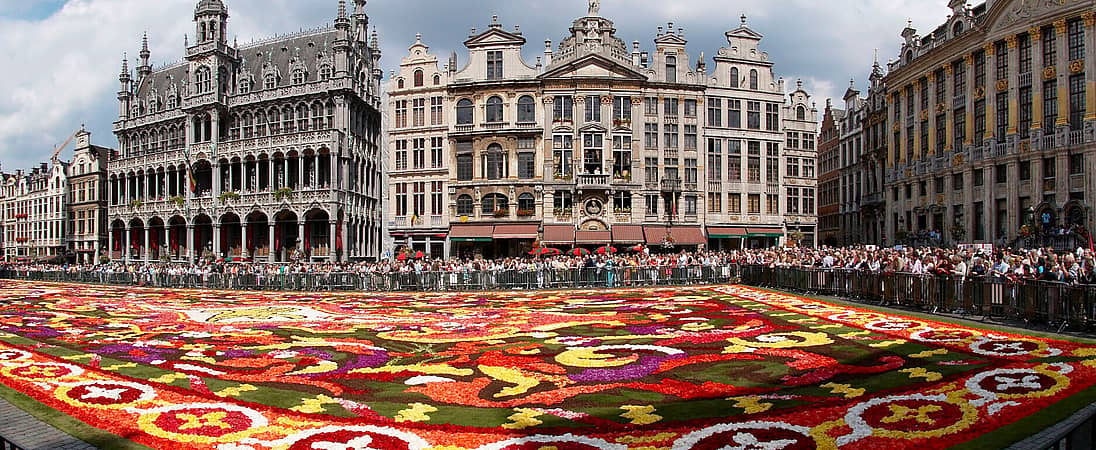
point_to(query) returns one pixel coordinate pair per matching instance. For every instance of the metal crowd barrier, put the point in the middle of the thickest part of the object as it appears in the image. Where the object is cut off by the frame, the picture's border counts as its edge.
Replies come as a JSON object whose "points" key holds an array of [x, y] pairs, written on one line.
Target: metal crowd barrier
{"points": [[457, 281], [1055, 304]]}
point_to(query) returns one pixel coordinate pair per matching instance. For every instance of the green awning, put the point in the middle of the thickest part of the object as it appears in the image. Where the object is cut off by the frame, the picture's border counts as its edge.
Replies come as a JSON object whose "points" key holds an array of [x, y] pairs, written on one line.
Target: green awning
{"points": [[727, 233], [766, 232], [470, 239]]}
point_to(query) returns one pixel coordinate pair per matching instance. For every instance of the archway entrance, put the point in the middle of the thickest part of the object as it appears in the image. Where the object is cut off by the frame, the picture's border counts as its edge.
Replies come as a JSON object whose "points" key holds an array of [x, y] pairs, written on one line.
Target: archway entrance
{"points": [[203, 237], [286, 236], [156, 239], [317, 232], [258, 236], [231, 236], [176, 238]]}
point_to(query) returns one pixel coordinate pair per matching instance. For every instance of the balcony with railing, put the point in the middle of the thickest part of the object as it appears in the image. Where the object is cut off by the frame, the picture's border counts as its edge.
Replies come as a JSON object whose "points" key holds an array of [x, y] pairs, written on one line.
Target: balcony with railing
{"points": [[715, 186], [959, 99], [592, 181], [871, 199], [690, 186], [1024, 79], [671, 185]]}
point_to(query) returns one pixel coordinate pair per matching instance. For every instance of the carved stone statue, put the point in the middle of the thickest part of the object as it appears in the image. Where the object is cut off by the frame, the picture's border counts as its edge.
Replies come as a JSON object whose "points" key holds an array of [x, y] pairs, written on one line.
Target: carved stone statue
{"points": [[595, 7]]}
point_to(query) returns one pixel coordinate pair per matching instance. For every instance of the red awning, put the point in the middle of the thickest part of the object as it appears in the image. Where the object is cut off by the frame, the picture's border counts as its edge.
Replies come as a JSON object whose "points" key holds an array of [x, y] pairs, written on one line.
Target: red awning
{"points": [[628, 234], [683, 235], [559, 234], [471, 232], [593, 237], [516, 231]]}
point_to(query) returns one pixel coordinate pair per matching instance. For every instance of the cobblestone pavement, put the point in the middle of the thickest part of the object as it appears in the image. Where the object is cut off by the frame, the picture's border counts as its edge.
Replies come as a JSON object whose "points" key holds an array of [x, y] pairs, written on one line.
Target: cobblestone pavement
{"points": [[29, 433]]}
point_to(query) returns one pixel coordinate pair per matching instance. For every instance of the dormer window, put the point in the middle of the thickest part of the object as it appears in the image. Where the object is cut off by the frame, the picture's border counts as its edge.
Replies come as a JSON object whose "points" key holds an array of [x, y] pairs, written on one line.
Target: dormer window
{"points": [[399, 83], [419, 78], [245, 86], [172, 101], [270, 81], [299, 76], [671, 69], [957, 29], [325, 72], [437, 80], [494, 65]]}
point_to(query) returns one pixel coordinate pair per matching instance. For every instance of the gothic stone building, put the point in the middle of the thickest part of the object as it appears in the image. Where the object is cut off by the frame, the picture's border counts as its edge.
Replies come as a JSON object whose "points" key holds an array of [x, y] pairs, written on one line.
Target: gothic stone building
{"points": [[283, 137]]}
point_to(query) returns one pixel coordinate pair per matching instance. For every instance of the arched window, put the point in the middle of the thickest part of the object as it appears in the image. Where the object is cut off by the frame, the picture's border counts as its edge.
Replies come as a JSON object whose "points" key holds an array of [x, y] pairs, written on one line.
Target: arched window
{"points": [[325, 72], [466, 206], [270, 81], [317, 116], [399, 83], [494, 110], [753, 79], [957, 29], [275, 118], [418, 78], [260, 124], [909, 56], [465, 112], [247, 125], [287, 119], [302, 118], [298, 76], [172, 101], [527, 109], [671, 69], [203, 80], [495, 203], [437, 80], [801, 113], [496, 162], [734, 77], [527, 203]]}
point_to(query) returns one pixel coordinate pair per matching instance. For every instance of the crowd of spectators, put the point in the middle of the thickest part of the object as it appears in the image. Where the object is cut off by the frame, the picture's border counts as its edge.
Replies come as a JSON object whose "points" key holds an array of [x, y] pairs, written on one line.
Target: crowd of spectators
{"points": [[1005, 264]]}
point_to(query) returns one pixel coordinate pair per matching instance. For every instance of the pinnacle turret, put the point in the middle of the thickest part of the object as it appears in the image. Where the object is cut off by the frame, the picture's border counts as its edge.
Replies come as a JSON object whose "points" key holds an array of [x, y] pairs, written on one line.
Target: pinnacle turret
{"points": [[145, 68]]}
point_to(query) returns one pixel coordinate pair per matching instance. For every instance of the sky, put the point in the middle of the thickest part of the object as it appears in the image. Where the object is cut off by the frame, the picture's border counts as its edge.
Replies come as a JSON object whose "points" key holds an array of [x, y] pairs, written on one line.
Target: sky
{"points": [[63, 57]]}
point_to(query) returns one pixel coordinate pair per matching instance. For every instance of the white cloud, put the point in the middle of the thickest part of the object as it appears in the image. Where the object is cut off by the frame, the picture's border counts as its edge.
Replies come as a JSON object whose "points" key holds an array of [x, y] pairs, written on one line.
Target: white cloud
{"points": [[63, 68]]}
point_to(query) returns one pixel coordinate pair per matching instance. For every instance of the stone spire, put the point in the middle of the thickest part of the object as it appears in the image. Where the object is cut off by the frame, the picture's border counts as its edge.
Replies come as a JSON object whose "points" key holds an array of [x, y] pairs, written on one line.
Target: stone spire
{"points": [[124, 75], [145, 68]]}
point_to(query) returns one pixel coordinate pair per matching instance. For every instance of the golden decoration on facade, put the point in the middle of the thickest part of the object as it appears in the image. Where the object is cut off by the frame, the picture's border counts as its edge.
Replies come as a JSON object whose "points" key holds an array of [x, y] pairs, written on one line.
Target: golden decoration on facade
{"points": [[1036, 33], [1025, 146], [1077, 66], [957, 160], [897, 127], [1090, 19], [1050, 72], [968, 59], [931, 77], [1002, 85], [979, 92], [948, 69], [941, 107], [1010, 41], [636, 101], [1060, 26], [989, 48], [580, 100], [606, 100], [924, 115]]}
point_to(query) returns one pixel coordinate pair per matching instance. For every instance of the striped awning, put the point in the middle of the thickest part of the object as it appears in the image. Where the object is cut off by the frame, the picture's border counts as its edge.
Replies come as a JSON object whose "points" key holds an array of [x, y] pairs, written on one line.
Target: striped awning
{"points": [[471, 232], [766, 232], [628, 234], [593, 237], [681, 235], [559, 234], [727, 232], [516, 231]]}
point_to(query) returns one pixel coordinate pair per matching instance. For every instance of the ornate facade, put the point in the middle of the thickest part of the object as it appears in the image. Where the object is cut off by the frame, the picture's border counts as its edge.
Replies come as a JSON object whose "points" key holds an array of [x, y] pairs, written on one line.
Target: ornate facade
{"points": [[36, 213], [598, 142], [282, 138], [993, 122], [87, 183]]}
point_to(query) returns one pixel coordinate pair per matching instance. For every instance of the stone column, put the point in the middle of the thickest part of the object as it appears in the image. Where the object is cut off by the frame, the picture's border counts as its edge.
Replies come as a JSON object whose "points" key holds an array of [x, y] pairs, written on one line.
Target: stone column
{"points": [[300, 172], [968, 60], [1014, 196], [245, 242], [126, 249], [991, 94], [1036, 34], [949, 115], [110, 245], [145, 249], [190, 253], [1062, 41], [215, 165], [1013, 91], [930, 86], [1090, 65], [272, 257], [331, 242], [300, 233], [216, 240]]}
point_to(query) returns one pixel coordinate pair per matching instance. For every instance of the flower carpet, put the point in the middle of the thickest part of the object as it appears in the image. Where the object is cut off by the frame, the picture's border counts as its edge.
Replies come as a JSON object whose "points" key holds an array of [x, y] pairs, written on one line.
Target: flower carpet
{"points": [[682, 368]]}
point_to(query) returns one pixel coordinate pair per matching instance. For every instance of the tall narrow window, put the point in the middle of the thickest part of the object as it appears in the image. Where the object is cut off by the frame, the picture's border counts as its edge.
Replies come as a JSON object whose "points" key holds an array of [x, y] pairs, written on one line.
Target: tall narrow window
{"points": [[734, 77], [593, 108], [418, 78], [622, 110], [494, 110], [753, 79], [527, 112], [465, 112], [494, 65], [563, 108], [671, 69], [495, 162]]}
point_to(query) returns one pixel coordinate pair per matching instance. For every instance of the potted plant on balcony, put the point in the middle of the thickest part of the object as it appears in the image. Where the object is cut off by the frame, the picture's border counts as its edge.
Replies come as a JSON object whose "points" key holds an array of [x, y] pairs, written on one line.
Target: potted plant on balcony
{"points": [[502, 213], [135, 204], [178, 201], [228, 196], [526, 213], [283, 193]]}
